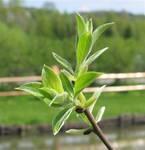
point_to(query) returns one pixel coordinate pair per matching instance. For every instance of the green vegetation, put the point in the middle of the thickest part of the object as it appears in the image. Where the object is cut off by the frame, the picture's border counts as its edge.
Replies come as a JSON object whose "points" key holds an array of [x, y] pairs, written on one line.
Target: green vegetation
{"points": [[64, 90], [29, 110], [28, 36]]}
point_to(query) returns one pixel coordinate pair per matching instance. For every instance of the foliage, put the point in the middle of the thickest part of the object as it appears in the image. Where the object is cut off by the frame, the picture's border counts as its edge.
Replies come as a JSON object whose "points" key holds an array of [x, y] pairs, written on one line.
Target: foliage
{"points": [[30, 35], [58, 90]]}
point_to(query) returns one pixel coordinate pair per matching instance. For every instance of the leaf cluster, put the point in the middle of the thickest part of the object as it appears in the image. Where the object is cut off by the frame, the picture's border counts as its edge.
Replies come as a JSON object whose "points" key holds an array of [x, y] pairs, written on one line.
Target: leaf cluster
{"points": [[65, 90]]}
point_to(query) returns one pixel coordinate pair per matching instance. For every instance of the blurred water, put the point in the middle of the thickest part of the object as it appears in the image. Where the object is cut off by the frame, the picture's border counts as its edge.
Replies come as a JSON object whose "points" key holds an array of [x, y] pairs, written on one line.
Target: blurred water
{"points": [[132, 138]]}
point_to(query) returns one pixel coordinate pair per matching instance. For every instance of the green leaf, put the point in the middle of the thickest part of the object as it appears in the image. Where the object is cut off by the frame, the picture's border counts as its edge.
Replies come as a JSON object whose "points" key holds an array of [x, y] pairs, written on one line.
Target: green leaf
{"points": [[85, 80], [100, 114], [95, 97], [63, 62], [55, 105], [69, 75], [82, 99], [81, 25], [90, 25], [95, 56], [97, 33], [83, 117], [48, 93], [32, 88], [84, 47], [67, 85], [60, 119], [58, 99], [89, 102], [51, 80], [76, 131]]}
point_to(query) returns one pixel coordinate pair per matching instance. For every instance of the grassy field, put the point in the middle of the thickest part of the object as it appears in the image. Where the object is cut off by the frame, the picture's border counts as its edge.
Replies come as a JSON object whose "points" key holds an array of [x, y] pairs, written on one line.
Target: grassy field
{"points": [[29, 110]]}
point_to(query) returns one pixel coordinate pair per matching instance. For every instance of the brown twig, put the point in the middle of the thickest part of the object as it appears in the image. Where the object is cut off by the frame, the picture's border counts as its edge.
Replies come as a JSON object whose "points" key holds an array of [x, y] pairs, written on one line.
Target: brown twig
{"points": [[97, 129]]}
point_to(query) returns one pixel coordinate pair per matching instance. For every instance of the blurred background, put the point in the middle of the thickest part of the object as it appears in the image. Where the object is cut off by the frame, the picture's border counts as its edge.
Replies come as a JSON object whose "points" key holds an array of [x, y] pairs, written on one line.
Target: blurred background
{"points": [[30, 30]]}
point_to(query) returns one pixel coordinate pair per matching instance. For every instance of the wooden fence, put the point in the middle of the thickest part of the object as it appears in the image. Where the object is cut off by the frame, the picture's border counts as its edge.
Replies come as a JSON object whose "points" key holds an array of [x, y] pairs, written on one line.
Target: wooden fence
{"points": [[87, 90]]}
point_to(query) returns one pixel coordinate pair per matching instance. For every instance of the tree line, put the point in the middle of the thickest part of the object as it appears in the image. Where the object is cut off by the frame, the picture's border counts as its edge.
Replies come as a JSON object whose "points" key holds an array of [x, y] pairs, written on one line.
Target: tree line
{"points": [[29, 36]]}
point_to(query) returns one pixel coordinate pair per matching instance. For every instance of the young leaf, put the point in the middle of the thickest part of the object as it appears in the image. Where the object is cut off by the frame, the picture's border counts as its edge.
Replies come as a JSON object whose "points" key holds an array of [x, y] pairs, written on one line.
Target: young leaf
{"points": [[83, 117], [48, 93], [100, 114], [90, 25], [60, 119], [85, 80], [63, 62], [32, 88], [84, 47], [97, 33], [69, 75], [82, 98], [51, 80], [58, 98], [95, 97], [95, 56], [67, 85], [76, 131], [81, 26], [55, 105]]}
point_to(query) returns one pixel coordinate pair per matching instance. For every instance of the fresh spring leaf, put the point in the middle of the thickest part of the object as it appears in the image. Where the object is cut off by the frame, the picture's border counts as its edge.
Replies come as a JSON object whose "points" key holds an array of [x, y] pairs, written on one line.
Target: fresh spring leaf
{"points": [[67, 85], [58, 99], [82, 99], [55, 105], [82, 69], [95, 97], [83, 47], [90, 26], [76, 131], [85, 80], [83, 117], [60, 119], [69, 75], [32, 88], [48, 93], [51, 80], [97, 33], [95, 56], [100, 114], [63, 62], [81, 25]]}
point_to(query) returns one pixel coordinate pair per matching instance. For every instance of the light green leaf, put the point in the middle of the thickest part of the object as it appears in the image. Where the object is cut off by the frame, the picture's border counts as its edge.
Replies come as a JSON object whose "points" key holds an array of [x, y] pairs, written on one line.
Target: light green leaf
{"points": [[58, 99], [97, 33], [100, 114], [67, 85], [76, 131], [90, 25], [63, 62], [95, 56], [32, 88], [60, 119], [85, 80], [51, 80], [48, 93], [55, 105], [69, 75], [83, 117], [95, 97], [82, 98], [84, 47], [89, 102], [81, 25]]}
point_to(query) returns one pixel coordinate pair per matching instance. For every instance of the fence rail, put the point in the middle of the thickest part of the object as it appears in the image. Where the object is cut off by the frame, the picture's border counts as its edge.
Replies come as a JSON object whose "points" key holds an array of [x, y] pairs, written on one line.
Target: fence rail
{"points": [[104, 76], [87, 90]]}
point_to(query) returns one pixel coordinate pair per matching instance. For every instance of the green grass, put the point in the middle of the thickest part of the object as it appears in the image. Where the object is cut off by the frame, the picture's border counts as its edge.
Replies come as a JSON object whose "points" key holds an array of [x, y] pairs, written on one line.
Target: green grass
{"points": [[29, 110]]}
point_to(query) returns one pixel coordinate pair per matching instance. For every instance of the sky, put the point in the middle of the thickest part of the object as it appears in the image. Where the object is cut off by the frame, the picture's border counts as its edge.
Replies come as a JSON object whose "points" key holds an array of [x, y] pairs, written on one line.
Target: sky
{"points": [[134, 6]]}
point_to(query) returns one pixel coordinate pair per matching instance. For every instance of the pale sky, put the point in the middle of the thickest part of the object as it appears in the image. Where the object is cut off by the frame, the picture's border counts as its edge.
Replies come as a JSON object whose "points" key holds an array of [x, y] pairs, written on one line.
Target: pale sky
{"points": [[134, 6]]}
